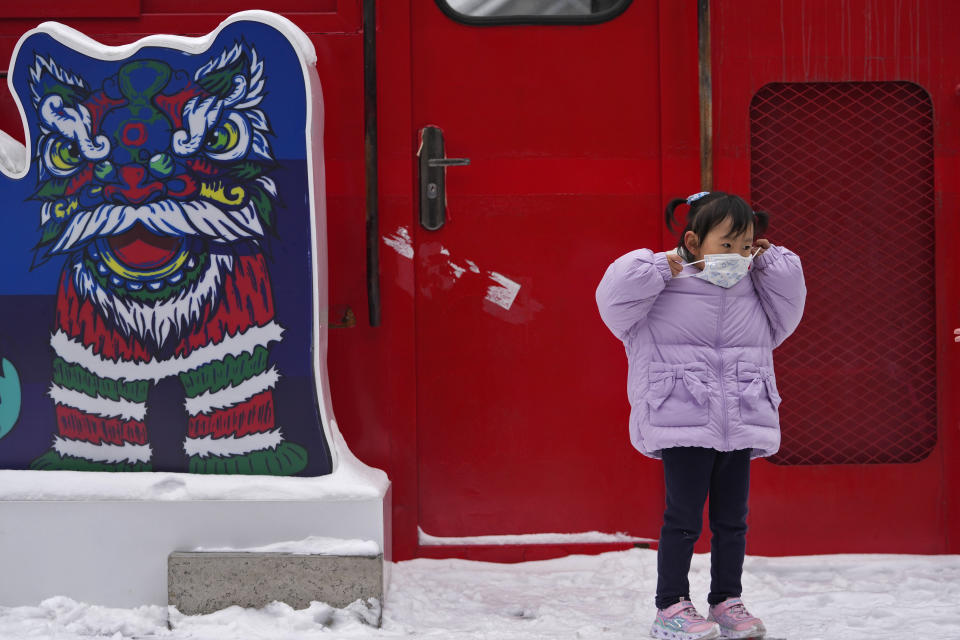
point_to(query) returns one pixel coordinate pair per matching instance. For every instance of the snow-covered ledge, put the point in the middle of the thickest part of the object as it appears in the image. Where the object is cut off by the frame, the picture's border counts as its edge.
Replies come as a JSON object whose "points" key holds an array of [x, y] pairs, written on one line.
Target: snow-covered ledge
{"points": [[586, 537], [104, 538]]}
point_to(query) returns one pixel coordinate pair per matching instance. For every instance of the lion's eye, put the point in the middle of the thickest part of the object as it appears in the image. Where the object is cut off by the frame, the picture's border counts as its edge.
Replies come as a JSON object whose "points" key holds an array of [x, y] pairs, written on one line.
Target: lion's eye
{"points": [[65, 155], [223, 138], [229, 140]]}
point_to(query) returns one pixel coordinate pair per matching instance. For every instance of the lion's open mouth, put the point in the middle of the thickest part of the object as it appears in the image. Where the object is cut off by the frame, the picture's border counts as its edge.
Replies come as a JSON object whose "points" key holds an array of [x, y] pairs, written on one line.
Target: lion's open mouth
{"points": [[138, 258], [142, 250]]}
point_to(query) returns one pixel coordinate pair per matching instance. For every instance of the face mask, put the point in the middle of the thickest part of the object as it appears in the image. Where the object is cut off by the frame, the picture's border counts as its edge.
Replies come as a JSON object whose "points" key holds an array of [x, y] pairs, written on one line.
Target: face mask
{"points": [[722, 269]]}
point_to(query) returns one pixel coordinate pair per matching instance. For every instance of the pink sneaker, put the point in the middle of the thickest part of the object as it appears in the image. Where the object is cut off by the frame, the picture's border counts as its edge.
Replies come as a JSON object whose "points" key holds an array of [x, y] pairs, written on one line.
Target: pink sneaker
{"points": [[735, 621], [682, 622]]}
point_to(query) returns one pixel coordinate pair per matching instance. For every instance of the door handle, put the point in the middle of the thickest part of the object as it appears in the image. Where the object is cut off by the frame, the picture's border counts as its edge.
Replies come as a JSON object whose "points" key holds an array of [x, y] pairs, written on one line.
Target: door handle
{"points": [[448, 162], [433, 177]]}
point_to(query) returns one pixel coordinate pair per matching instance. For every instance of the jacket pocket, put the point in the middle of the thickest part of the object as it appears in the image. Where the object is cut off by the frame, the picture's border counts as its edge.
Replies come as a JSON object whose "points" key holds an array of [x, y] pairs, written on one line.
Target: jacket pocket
{"points": [[678, 394], [759, 399]]}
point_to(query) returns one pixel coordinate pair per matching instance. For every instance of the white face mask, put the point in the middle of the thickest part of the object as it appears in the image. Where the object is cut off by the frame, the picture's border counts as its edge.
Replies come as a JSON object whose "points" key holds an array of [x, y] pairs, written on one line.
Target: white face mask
{"points": [[722, 269]]}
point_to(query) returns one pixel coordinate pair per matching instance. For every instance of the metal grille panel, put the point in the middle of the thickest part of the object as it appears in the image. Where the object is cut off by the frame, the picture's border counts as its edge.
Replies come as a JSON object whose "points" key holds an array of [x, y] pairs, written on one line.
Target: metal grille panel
{"points": [[846, 172]]}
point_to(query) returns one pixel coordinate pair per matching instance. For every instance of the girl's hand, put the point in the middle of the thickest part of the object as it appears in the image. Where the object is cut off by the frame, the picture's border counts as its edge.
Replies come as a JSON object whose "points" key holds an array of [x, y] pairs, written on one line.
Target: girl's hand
{"points": [[763, 244], [676, 265], [956, 333]]}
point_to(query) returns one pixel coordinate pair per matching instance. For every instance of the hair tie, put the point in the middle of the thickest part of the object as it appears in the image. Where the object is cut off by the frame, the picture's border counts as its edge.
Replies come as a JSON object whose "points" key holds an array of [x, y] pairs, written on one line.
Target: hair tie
{"points": [[696, 196]]}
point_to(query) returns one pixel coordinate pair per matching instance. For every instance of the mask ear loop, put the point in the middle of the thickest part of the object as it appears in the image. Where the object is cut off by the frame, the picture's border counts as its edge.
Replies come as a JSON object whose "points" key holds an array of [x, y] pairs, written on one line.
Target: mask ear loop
{"points": [[688, 275]]}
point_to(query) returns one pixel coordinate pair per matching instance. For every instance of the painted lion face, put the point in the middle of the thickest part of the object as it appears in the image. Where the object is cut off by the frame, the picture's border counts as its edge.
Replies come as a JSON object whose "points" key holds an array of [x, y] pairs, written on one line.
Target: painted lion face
{"points": [[151, 182]]}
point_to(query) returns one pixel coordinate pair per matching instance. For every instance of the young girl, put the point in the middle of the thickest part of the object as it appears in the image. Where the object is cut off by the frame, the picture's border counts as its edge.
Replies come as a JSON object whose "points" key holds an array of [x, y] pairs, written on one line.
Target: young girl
{"points": [[699, 326]]}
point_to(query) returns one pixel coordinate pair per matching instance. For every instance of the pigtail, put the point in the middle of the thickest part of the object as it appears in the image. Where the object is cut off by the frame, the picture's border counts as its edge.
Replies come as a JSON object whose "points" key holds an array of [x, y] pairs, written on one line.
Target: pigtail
{"points": [[761, 224], [670, 212], [695, 202]]}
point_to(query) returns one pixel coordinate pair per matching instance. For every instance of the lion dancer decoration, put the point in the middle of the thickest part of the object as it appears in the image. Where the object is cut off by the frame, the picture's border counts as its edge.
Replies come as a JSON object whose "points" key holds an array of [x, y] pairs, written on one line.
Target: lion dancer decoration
{"points": [[155, 188]]}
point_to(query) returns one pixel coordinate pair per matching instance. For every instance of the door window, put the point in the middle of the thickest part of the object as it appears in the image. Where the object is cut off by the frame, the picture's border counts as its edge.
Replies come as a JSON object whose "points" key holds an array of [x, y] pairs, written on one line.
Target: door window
{"points": [[532, 11]]}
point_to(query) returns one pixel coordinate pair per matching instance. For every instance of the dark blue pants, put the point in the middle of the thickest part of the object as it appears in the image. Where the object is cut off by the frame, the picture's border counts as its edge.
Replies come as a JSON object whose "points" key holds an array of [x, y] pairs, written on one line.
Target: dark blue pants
{"points": [[690, 473]]}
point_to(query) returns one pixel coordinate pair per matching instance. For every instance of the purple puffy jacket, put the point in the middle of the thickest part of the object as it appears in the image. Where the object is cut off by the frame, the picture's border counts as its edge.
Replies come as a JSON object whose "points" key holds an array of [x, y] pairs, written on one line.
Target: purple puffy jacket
{"points": [[701, 356]]}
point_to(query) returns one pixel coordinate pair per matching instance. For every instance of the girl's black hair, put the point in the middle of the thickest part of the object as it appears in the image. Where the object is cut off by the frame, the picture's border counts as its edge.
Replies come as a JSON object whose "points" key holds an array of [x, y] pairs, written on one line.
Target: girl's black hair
{"points": [[708, 211]]}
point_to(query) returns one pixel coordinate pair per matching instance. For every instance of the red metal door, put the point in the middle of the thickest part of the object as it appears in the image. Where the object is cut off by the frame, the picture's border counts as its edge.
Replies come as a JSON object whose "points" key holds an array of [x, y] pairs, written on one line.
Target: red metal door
{"points": [[840, 119], [521, 404]]}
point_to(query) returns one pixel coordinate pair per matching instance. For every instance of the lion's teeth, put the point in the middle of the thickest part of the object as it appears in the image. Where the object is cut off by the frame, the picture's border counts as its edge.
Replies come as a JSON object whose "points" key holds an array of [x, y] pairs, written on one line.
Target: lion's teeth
{"points": [[175, 278], [116, 280], [191, 263], [101, 268], [155, 286], [134, 286]]}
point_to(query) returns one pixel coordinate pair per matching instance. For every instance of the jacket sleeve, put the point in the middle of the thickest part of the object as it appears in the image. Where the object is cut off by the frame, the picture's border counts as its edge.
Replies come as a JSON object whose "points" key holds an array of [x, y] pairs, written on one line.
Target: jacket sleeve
{"points": [[778, 278], [630, 287]]}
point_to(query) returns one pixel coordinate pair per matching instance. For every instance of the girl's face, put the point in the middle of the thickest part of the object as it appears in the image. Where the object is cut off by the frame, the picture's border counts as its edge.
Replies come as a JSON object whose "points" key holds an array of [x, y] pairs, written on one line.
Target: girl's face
{"points": [[719, 240]]}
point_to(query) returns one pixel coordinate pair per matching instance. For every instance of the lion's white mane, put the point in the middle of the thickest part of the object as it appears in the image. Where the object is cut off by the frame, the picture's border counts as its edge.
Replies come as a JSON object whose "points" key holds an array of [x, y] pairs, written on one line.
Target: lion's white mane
{"points": [[156, 321]]}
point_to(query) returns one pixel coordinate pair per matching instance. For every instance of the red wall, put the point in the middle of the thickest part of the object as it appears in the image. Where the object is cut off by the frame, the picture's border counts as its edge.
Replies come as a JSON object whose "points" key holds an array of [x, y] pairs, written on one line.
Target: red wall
{"points": [[373, 370]]}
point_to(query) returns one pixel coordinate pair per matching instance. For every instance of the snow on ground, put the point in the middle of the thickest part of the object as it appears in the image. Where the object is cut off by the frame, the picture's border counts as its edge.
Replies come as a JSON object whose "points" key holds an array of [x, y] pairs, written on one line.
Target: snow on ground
{"points": [[609, 596]]}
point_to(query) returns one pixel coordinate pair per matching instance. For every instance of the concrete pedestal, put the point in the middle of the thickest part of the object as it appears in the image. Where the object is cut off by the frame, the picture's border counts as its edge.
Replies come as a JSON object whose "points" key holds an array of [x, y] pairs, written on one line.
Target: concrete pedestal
{"points": [[204, 582]]}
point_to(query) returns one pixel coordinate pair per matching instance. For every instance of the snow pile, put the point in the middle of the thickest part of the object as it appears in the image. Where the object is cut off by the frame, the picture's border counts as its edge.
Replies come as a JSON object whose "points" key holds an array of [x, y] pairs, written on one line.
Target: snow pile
{"points": [[608, 596], [314, 545], [62, 618], [276, 620], [587, 537]]}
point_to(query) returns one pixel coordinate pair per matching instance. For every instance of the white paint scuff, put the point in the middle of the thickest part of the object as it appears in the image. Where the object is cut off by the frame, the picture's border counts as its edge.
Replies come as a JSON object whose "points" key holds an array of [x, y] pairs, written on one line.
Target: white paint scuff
{"points": [[504, 292], [401, 242]]}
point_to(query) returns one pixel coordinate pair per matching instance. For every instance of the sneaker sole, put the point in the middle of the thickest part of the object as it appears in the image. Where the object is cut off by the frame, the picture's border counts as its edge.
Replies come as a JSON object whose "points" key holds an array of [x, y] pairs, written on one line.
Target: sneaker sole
{"points": [[750, 634], [666, 634]]}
